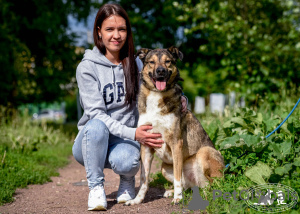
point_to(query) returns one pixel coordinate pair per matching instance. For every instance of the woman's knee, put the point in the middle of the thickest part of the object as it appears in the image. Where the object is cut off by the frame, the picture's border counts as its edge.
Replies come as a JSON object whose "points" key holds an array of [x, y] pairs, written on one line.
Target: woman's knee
{"points": [[96, 129], [126, 165]]}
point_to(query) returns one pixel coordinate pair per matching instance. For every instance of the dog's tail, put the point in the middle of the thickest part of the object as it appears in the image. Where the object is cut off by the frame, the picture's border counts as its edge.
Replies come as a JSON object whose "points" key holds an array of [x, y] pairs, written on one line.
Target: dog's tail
{"points": [[211, 162]]}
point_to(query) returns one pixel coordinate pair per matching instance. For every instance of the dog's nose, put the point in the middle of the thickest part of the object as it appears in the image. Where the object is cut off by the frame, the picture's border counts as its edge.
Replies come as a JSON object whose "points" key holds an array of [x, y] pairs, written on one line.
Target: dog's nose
{"points": [[161, 71]]}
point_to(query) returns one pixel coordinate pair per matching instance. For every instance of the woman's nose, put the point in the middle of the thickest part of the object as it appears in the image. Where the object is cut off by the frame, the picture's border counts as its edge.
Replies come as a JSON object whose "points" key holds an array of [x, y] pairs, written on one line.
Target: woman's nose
{"points": [[117, 34]]}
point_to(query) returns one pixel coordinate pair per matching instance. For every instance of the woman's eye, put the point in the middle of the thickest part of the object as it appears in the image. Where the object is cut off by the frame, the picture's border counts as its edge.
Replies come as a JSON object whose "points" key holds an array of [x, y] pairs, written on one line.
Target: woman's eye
{"points": [[167, 61], [152, 62]]}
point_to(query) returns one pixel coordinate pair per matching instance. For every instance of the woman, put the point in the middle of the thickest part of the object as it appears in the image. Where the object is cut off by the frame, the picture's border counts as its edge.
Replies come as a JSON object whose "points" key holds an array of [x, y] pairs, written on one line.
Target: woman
{"points": [[108, 84]]}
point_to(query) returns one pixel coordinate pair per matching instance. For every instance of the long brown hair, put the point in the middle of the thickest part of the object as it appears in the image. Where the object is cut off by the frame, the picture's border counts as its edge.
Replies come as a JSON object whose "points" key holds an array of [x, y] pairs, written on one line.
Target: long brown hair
{"points": [[126, 53]]}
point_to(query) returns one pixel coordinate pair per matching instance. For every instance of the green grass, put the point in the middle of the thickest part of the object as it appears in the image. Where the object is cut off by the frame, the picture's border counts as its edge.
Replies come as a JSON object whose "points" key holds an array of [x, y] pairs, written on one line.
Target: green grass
{"points": [[158, 180], [30, 154]]}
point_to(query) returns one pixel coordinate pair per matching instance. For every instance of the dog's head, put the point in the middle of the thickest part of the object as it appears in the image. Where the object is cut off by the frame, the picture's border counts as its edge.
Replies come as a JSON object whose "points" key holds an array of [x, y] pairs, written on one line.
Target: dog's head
{"points": [[160, 72]]}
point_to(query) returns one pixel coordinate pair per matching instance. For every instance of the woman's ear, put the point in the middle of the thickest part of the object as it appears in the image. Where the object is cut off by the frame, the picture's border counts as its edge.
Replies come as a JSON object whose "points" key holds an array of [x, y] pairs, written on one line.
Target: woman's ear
{"points": [[99, 34]]}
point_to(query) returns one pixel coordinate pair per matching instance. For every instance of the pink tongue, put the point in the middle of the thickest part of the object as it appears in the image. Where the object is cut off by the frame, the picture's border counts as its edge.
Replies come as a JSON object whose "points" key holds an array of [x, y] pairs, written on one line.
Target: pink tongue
{"points": [[160, 85]]}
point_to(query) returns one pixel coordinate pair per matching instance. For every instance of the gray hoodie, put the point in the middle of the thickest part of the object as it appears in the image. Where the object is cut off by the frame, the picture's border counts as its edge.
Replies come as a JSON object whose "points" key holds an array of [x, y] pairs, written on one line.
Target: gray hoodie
{"points": [[102, 94]]}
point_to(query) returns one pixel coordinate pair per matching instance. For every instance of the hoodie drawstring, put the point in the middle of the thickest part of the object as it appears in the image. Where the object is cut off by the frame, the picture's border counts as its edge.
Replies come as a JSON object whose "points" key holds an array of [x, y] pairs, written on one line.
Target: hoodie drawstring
{"points": [[113, 79]]}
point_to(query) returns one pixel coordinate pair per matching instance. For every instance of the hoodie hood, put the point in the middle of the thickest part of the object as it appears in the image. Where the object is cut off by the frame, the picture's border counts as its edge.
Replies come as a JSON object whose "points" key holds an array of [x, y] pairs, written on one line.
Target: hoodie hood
{"points": [[115, 71], [97, 57]]}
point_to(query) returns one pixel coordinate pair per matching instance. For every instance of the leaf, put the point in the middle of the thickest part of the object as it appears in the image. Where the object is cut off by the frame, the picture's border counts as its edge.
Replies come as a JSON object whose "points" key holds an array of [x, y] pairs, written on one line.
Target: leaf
{"points": [[283, 169], [215, 135], [294, 126], [259, 118], [228, 124], [251, 143], [230, 142], [297, 161], [271, 123], [257, 131], [258, 172], [239, 121], [280, 150]]}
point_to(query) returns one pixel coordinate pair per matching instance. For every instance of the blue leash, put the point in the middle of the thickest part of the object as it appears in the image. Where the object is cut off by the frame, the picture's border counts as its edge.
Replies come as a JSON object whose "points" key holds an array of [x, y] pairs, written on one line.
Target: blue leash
{"points": [[272, 131]]}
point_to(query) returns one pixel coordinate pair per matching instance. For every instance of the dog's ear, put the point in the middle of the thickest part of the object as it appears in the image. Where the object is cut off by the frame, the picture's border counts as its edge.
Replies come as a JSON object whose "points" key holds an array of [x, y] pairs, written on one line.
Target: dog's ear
{"points": [[175, 52], [142, 53]]}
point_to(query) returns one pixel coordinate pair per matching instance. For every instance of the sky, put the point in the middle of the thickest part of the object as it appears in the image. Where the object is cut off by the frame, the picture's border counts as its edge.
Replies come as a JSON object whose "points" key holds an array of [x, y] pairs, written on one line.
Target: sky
{"points": [[82, 28]]}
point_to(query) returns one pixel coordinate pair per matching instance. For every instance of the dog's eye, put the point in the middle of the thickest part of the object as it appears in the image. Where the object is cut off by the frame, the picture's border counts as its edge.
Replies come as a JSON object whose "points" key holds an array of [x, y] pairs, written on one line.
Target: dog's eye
{"points": [[167, 61]]}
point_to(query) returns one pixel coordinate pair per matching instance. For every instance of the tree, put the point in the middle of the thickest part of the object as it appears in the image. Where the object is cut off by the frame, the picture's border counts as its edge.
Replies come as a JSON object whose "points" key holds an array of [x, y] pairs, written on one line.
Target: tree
{"points": [[251, 47], [37, 52]]}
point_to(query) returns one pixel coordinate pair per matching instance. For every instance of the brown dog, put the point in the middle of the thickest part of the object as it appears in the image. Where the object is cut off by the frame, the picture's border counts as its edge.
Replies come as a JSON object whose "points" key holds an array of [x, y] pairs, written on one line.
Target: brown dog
{"points": [[188, 155]]}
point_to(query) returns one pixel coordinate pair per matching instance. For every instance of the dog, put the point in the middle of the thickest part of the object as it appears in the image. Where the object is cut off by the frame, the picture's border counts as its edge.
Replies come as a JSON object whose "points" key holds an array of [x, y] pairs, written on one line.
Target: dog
{"points": [[188, 156]]}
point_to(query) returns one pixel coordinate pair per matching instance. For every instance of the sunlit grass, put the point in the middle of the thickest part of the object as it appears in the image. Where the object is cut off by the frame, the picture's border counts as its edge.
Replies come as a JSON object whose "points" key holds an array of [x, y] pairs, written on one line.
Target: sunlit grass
{"points": [[30, 154]]}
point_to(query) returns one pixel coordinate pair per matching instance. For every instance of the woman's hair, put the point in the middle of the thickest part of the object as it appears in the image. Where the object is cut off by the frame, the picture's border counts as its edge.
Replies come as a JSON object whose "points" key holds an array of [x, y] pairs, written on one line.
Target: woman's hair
{"points": [[126, 53]]}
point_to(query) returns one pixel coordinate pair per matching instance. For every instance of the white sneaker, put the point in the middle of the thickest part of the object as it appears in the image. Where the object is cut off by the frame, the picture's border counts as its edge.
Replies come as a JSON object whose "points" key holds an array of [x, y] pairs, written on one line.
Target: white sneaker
{"points": [[97, 198], [126, 190]]}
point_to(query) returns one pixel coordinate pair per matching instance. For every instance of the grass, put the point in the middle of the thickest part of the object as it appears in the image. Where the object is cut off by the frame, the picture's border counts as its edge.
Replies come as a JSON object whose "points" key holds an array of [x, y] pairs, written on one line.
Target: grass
{"points": [[30, 154]]}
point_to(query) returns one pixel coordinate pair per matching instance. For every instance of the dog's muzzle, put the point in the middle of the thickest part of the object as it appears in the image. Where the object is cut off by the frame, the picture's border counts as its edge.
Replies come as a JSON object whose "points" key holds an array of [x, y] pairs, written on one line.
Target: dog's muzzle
{"points": [[160, 78]]}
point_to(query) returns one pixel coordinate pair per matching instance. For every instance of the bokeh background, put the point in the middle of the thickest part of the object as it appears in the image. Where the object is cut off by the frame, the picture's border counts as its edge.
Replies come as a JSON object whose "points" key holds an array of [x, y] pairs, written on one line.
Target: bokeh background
{"points": [[247, 47]]}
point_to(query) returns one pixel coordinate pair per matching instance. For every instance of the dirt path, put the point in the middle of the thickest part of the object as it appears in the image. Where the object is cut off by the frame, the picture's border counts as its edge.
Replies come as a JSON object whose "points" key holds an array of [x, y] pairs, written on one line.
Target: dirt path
{"points": [[68, 193]]}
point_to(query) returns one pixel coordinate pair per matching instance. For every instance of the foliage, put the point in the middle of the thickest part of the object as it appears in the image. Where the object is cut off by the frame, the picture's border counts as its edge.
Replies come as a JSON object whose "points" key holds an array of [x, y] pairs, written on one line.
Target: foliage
{"points": [[38, 56], [30, 154], [250, 47], [272, 160]]}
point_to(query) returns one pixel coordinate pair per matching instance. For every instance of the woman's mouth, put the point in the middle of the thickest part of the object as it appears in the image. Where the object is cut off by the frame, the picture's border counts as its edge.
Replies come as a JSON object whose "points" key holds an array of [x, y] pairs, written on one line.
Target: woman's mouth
{"points": [[116, 42]]}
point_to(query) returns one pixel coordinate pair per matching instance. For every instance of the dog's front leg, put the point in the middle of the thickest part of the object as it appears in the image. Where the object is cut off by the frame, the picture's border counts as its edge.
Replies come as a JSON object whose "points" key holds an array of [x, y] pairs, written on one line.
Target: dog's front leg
{"points": [[177, 170], [146, 160]]}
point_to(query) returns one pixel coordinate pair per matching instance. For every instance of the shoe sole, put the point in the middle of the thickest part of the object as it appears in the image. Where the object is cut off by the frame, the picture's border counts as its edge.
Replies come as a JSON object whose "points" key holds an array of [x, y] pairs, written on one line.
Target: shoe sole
{"points": [[122, 201], [100, 207]]}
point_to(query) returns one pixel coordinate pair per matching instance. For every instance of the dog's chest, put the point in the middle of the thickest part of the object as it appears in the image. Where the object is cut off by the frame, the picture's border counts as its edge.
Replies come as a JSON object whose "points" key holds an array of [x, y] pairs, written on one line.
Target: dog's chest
{"points": [[161, 123], [153, 114]]}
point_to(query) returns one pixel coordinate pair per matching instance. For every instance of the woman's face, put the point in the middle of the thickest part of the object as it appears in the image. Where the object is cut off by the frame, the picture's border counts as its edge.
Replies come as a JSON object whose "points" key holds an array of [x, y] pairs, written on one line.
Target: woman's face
{"points": [[114, 33]]}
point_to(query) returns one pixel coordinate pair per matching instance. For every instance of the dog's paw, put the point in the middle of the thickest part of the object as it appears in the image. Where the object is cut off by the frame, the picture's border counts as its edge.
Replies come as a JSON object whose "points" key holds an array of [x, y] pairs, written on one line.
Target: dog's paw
{"points": [[176, 200], [168, 193], [132, 202]]}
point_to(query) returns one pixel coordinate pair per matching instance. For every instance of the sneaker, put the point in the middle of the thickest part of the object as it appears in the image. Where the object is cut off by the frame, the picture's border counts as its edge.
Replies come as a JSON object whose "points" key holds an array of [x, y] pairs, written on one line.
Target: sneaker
{"points": [[97, 198], [126, 190]]}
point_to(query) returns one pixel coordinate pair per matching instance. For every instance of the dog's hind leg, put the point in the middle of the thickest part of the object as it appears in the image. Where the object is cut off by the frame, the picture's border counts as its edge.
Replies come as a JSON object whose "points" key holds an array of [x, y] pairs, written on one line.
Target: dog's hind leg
{"points": [[167, 172], [146, 160], [211, 164]]}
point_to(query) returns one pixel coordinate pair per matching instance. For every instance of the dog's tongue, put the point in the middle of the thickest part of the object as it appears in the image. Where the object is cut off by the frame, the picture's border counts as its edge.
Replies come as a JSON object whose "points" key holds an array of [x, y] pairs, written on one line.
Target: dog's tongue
{"points": [[160, 85]]}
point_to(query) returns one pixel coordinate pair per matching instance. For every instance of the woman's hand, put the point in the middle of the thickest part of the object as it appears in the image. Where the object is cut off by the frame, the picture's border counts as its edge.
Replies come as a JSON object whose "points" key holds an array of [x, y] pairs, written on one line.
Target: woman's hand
{"points": [[184, 103], [146, 138]]}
